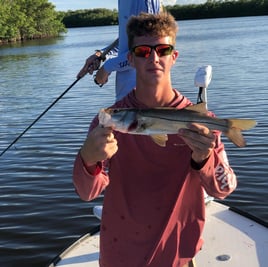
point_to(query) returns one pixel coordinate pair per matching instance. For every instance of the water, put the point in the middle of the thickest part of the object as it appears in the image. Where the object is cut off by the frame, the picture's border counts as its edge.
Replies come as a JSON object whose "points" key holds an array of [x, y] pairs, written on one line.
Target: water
{"points": [[40, 211]]}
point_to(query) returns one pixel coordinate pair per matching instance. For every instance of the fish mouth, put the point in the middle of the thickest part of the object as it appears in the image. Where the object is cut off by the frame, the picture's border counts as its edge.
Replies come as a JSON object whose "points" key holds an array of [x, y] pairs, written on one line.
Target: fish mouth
{"points": [[111, 111]]}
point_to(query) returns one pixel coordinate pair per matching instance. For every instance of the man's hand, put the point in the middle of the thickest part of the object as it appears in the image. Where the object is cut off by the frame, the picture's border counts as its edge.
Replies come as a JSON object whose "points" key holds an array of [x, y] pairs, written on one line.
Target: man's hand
{"points": [[99, 145], [101, 76], [92, 63], [200, 140]]}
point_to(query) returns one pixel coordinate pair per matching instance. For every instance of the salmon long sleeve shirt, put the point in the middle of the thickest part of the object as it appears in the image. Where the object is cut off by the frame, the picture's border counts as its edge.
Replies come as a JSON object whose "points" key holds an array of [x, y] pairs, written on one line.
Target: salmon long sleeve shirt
{"points": [[153, 210]]}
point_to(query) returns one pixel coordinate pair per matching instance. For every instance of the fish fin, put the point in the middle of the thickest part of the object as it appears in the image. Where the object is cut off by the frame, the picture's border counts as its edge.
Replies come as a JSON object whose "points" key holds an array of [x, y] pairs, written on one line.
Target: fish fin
{"points": [[242, 124], [236, 126], [160, 139], [235, 135], [201, 107]]}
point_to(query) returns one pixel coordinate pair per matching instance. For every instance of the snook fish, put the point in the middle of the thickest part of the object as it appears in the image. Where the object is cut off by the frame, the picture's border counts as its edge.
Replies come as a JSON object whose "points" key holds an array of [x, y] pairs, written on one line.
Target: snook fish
{"points": [[158, 122]]}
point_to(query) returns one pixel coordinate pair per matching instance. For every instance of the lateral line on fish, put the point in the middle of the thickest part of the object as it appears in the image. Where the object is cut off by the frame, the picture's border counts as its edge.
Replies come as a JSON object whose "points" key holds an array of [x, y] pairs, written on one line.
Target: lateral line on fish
{"points": [[186, 121]]}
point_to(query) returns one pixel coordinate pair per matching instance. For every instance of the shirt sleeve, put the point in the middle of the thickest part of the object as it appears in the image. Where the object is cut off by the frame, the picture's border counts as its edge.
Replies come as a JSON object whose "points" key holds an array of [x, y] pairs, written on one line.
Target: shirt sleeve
{"points": [[217, 177], [113, 52], [119, 63], [89, 182]]}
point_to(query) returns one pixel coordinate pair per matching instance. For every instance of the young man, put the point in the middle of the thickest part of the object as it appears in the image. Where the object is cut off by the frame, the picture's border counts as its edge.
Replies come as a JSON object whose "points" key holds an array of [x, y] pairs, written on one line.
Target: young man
{"points": [[153, 210], [117, 61]]}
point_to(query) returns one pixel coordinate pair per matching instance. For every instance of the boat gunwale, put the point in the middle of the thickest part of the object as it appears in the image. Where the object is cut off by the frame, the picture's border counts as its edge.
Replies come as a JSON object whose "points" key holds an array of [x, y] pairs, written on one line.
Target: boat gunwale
{"points": [[68, 248]]}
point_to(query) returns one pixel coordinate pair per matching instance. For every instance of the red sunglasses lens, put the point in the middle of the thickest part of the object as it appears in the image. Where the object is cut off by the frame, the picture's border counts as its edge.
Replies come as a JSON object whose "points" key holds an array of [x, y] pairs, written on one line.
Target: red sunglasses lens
{"points": [[145, 50], [142, 51], [163, 50]]}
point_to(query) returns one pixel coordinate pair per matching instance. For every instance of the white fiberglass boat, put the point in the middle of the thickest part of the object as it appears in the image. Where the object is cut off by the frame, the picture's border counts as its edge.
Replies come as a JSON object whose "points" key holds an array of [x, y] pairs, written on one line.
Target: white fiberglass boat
{"points": [[231, 239]]}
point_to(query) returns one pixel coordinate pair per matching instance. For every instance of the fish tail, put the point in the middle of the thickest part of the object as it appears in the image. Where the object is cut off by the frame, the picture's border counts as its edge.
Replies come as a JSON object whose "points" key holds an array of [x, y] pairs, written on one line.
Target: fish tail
{"points": [[242, 124], [236, 126]]}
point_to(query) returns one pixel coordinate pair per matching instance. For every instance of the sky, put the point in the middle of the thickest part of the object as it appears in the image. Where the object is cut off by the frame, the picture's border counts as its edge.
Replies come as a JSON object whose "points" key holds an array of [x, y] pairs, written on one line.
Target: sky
{"points": [[64, 5]]}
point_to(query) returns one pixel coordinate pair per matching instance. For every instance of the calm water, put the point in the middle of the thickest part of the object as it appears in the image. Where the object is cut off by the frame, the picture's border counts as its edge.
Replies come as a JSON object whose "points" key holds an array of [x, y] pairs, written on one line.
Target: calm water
{"points": [[40, 212]]}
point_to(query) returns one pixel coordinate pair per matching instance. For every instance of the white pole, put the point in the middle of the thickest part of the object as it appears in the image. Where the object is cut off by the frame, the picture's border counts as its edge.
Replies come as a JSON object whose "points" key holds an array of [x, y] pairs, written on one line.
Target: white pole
{"points": [[202, 80]]}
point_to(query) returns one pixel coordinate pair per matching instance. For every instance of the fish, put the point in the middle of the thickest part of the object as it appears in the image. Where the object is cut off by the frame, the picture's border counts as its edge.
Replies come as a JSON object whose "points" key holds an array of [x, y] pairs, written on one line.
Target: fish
{"points": [[159, 122]]}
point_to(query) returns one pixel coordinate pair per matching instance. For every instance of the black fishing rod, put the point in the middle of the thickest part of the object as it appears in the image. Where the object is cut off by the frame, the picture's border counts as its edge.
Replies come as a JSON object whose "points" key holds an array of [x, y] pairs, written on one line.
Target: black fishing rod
{"points": [[102, 57]]}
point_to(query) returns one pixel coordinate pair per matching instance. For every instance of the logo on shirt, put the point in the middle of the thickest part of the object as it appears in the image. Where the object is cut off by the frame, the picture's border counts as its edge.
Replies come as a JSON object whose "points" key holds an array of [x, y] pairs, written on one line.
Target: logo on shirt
{"points": [[224, 174], [123, 64]]}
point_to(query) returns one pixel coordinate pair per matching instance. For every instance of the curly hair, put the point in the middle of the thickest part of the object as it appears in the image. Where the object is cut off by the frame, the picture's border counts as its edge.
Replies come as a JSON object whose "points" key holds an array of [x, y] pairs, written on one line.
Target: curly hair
{"points": [[160, 25]]}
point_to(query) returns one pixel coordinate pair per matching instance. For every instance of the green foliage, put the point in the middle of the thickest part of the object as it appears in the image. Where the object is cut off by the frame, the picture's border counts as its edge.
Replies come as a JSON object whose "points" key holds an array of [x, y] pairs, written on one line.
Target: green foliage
{"points": [[90, 17], [220, 9], [210, 9], [28, 19]]}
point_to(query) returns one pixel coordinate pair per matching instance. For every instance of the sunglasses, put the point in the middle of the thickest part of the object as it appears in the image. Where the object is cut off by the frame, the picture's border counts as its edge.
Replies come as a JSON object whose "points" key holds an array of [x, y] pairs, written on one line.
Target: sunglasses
{"points": [[146, 50]]}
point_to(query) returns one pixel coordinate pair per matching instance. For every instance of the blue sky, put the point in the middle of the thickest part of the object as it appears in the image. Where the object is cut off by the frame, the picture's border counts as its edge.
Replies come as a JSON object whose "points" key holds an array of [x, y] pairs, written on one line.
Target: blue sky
{"points": [[64, 5]]}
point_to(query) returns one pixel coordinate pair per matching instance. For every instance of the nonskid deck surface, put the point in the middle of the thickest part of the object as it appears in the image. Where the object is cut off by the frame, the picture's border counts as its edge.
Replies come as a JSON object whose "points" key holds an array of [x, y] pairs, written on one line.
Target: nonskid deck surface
{"points": [[230, 240]]}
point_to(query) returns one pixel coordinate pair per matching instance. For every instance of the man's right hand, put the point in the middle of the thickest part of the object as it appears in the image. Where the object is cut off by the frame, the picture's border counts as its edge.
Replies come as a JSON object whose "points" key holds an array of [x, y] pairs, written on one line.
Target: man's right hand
{"points": [[92, 63], [99, 145]]}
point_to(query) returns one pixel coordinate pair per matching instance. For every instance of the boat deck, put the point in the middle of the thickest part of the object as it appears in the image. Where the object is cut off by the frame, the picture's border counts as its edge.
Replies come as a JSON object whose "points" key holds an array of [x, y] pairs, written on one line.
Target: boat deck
{"points": [[231, 240]]}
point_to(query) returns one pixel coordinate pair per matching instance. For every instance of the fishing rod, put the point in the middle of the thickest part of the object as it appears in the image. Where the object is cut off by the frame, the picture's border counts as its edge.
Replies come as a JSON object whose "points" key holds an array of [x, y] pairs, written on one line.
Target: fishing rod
{"points": [[102, 57]]}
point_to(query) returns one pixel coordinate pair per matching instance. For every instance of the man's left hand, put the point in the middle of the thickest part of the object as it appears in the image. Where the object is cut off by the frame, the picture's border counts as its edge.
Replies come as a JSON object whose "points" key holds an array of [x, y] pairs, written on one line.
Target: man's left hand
{"points": [[200, 139]]}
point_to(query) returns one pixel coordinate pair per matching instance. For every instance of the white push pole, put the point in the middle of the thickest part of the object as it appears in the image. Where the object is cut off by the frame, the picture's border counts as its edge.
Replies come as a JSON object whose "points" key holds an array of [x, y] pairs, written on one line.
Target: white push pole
{"points": [[202, 80]]}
